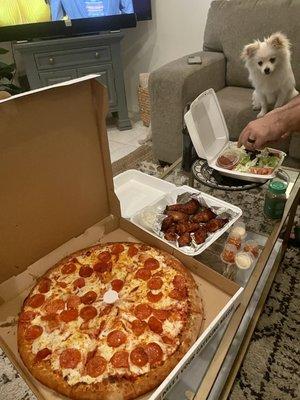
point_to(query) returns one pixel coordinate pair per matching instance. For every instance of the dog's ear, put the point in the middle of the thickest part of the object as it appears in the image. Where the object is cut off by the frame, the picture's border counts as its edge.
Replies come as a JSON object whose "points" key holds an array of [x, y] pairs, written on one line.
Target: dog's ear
{"points": [[249, 50], [278, 40]]}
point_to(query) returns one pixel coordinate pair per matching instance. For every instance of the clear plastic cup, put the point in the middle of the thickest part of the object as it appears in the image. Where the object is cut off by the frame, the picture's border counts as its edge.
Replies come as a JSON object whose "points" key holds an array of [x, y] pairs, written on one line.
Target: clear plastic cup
{"points": [[239, 228], [244, 260], [235, 240], [228, 254], [228, 160], [251, 246]]}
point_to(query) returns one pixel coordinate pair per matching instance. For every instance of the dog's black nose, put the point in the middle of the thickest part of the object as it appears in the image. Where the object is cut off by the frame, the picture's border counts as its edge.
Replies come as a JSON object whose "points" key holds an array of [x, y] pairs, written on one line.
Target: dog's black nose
{"points": [[267, 71]]}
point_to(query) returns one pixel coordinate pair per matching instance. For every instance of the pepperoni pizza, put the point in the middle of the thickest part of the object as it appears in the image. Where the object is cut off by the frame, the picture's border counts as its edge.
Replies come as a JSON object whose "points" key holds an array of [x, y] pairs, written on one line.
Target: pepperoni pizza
{"points": [[110, 321]]}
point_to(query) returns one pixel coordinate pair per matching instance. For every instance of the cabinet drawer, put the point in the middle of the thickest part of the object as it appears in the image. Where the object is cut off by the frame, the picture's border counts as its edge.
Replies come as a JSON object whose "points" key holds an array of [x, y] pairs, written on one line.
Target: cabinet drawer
{"points": [[106, 77], [72, 57], [53, 77]]}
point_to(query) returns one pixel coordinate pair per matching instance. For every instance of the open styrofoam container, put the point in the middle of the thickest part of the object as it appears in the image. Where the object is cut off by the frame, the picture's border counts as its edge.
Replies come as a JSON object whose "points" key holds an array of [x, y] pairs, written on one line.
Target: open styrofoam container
{"points": [[58, 196], [209, 134], [170, 198], [135, 190]]}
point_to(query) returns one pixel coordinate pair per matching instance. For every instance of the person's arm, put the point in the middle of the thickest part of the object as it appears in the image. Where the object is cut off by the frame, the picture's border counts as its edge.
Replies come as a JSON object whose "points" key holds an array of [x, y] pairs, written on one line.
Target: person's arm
{"points": [[275, 125]]}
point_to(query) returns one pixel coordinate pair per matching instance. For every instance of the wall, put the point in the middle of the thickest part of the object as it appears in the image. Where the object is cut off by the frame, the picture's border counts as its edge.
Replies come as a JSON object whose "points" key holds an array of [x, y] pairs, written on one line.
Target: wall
{"points": [[176, 29]]}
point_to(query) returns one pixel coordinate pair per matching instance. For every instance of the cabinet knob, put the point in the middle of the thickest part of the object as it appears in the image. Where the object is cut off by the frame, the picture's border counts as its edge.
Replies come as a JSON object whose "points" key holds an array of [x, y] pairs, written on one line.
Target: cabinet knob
{"points": [[97, 54], [51, 60]]}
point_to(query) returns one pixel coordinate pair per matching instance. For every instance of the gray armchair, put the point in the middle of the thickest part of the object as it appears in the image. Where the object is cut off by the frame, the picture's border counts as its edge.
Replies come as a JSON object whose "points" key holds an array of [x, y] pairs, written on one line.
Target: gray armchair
{"points": [[230, 25]]}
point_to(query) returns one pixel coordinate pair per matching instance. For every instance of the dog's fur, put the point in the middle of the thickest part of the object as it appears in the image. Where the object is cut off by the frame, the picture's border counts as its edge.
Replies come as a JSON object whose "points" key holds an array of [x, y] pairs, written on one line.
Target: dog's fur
{"points": [[270, 72]]}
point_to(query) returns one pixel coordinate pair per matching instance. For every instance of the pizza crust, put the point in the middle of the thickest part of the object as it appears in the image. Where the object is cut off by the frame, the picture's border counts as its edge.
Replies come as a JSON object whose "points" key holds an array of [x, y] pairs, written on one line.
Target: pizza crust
{"points": [[122, 388]]}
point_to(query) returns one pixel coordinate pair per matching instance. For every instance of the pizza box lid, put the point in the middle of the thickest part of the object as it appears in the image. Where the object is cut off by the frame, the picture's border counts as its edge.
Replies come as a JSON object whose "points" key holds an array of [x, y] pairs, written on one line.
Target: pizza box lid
{"points": [[209, 133], [54, 166]]}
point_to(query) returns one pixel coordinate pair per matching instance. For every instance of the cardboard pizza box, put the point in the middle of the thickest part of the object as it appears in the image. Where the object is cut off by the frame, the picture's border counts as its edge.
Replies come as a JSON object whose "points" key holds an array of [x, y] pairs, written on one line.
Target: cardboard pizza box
{"points": [[57, 196]]}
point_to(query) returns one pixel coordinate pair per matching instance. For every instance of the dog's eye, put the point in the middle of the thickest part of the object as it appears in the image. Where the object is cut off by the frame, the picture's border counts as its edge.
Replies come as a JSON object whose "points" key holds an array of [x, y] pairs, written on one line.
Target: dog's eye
{"points": [[260, 63], [272, 60]]}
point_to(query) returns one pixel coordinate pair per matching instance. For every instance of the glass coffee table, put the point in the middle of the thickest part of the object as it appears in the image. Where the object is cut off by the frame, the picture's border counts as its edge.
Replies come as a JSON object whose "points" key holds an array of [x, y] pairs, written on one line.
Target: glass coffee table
{"points": [[212, 373]]}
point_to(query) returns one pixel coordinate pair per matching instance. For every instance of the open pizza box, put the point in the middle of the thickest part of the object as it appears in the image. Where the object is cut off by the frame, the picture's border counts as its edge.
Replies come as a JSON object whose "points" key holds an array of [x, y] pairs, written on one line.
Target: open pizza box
{"points": [[57, 196]]}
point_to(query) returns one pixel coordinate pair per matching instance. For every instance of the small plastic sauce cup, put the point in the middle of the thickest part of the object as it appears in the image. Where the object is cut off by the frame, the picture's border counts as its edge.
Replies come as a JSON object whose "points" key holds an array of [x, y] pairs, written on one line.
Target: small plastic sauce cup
{"points": [[228, 254], [243, 260], [239, 228], [235, 240], [228, 160], [251, 246]]}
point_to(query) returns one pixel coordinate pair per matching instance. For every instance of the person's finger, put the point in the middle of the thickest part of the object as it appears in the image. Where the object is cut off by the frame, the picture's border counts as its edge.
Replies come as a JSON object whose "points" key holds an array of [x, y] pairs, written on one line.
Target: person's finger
{"points": [[243, 137], [259, 143]]}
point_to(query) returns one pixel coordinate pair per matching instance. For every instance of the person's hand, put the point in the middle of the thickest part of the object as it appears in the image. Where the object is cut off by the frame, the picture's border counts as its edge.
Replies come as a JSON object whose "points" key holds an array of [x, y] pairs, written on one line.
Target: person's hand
{"points": [[259, 132]]}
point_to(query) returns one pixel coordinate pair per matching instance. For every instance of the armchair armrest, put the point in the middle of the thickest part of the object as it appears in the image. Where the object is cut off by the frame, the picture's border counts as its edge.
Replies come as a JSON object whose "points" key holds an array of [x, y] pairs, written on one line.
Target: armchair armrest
{"points": [[172, 87]]}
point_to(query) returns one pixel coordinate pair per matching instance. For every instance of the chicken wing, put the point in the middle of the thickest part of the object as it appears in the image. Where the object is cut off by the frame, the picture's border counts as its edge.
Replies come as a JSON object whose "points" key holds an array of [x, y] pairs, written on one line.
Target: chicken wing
{"points": [[215, 224], [185, 239], [204, 216]]}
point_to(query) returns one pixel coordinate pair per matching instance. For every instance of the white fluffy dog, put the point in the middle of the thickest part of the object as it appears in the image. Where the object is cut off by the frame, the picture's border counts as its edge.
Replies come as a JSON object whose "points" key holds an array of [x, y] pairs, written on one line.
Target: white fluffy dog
{"points": [[270, 72]]}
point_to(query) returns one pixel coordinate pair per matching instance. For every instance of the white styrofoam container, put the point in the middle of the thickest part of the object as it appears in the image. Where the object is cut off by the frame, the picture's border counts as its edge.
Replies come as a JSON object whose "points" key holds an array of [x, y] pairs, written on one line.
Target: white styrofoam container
{"points": [[137, 190], [211, 202], [209, 134]]}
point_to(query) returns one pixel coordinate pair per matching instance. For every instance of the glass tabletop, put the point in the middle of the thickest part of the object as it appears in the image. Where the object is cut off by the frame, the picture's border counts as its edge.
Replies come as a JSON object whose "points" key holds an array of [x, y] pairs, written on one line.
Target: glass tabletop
{"points": [[251, 201]]}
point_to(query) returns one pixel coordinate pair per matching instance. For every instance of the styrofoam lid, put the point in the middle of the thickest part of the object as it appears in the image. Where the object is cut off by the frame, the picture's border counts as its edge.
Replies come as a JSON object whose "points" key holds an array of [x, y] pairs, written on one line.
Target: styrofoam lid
{"points": [[206, 125]]}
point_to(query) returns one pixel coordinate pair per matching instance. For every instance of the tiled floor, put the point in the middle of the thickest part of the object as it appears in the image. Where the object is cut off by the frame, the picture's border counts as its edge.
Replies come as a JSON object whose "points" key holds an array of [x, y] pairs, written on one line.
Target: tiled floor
{"points": [[122, 143]]}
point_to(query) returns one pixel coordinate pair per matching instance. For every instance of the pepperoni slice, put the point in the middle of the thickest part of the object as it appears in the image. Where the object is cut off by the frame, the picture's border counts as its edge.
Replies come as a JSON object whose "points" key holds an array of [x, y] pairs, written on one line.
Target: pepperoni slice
{"points": [[69, 358], [106, 310], [87, 313], [36, 300], [42, 354], [53, 306], [27, 316], [179, 282], [162, 315], [138, 327], [154, 298], [155, 325], [117, 285], [44, 285], [69, 315], [103, 266], [142, 311], [166, 339], [68, 269], [96, 366], [62, 284], [117, 248], [139, 357], [85, 271], [143, 274], [73, 301], [120, 359], [105, 256], [79, 283], [154, 353], [132, 251], [155, 283], [33, 332], [178, 294], [89, 297], [116, 338], [151, 264]]}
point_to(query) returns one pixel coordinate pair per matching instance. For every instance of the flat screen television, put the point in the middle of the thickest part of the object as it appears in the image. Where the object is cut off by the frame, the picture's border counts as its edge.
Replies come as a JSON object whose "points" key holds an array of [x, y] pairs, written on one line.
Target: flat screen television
{"points": [[28, 19]]}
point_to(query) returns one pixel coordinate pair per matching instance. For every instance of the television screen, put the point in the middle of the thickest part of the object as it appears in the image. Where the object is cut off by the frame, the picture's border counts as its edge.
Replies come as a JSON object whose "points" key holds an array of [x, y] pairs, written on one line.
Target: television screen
{"points": [[25, 19]]}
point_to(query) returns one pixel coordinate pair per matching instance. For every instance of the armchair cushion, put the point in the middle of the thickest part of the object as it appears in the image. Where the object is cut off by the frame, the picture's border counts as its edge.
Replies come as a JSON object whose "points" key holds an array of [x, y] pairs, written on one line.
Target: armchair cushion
{"points": [[235, 103], [171, 88], [232, 24]]}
